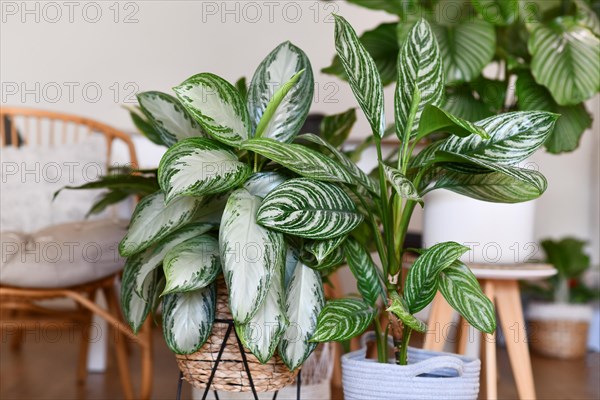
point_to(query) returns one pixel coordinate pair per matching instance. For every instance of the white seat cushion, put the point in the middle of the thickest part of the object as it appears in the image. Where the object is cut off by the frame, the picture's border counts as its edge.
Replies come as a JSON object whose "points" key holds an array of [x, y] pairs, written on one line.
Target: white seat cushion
{"points": [[62, 255]]}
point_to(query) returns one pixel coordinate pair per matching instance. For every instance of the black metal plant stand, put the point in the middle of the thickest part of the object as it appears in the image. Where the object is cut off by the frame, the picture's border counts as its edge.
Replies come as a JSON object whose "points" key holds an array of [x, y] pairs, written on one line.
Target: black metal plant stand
{"points": [[230, 328]]}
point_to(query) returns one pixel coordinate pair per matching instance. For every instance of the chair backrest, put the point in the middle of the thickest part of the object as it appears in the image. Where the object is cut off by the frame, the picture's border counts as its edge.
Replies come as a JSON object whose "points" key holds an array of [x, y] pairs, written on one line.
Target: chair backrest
{"points": [[28, 127]]}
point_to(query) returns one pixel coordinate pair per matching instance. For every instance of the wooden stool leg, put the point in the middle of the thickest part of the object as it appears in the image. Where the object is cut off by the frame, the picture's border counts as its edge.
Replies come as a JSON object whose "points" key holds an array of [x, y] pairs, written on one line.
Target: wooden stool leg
{"points": [[146, 346], [16, 342], [508, 303], [464, 336], [85, 343], [491, 366], [440, 319]]}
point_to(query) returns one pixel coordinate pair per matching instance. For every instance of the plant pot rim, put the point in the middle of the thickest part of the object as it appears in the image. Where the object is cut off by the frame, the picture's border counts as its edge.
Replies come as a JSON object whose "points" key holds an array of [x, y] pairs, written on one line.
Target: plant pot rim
{"points": [[548, 311]]}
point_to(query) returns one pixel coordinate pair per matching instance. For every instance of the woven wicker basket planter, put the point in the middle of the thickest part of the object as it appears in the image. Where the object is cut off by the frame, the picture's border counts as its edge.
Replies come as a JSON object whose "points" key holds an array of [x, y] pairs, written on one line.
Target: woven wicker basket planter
{"points": [[231, 375]]}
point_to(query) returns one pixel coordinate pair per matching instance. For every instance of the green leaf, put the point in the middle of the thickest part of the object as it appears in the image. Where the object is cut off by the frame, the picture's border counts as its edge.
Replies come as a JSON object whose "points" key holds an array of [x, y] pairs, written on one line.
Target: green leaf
{"points": [[573, 51], [422, 279], [321, 249], [300, 159], [199, 166], [304, 302], [144, 126], [280, 93], [498, 12], [242, 87], [567, 256], [498, 187], [461, 290], [401, 184], [262, 333], [107, 199], [168, 117], [400, 309], [335, 129], [343, 319], [398, 7], [359, 176], [249, 255], [309, 209], [573, 121], [211, 209], [382, 45], [126, 182], [365, 271], [420, 78], [188, 319], [135, 307], [329, 264], [435, 119], [192, 264], [466, 48], [513, 137], [262, 183], [152, 220], [362, 74], [463, 103], [217, 106]]}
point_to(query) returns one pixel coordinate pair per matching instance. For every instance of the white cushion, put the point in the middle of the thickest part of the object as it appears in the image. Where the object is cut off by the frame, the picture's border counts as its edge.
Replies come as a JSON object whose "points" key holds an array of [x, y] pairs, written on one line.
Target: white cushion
{"points": [[62, 255]]}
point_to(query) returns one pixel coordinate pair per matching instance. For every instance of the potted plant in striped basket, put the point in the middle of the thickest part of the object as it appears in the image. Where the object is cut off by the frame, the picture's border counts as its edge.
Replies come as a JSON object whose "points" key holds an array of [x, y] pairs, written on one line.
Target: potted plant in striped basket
{"points": [[475, 159]]}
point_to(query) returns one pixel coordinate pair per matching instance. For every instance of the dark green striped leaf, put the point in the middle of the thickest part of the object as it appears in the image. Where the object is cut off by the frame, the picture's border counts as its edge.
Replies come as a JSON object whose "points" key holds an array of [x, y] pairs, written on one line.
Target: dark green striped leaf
{"points": [[217, 106], [323, 248], [422, 279], [400, 309], [342, 319], [362, 73], [365, 271], [309, 209], [401, 184], [135, 307], [435, 119]]}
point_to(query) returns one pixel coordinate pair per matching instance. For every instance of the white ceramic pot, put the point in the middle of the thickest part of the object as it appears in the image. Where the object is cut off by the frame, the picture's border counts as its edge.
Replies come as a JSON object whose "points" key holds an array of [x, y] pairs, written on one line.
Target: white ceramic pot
{"points": [[496, 233]]}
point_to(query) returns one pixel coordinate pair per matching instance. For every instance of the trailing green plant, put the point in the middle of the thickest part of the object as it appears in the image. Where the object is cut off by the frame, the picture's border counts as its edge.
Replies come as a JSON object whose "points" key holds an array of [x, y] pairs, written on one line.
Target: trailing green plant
{"points": [[550, 47], [571, 261]]}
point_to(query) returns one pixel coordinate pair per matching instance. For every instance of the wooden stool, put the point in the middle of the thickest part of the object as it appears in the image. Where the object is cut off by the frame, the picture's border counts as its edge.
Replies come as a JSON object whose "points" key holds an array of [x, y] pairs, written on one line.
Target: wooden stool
{"points": [[501, 284]]}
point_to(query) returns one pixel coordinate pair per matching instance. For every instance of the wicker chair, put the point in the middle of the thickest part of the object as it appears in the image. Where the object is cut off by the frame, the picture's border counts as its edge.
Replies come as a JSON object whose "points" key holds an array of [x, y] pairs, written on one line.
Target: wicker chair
{"points": [[23, 127]]}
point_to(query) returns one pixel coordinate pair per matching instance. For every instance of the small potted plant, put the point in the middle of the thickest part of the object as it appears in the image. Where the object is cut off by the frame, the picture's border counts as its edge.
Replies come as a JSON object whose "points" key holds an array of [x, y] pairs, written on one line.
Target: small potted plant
{"points": [[559, 326]]}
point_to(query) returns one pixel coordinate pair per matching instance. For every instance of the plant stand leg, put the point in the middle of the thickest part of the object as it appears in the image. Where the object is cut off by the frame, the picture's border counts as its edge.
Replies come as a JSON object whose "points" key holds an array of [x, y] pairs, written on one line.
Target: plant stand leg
{"points": [[491, 372], [513, 325], [440, 318]]}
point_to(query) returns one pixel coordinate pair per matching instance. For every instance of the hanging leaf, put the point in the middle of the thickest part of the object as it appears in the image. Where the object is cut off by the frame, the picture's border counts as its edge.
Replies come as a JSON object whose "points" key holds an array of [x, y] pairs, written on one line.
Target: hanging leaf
{"points": [[249, 255], [262, 183], [188, 319], [144, 126], [309, 209], [304, 302], [400, 309], [573, 51], [573, 121], [359, 176], [420, 78], [300, 159], [335, 129], [286, 116], [435, 119], [365, 271], [168, 117], [422, 279], [135, 307], [192, 264], [152, 220], [362, 74], [461, 290], [342, 319], [217, 106], [323, 248], [198, 167], [401, 184]]}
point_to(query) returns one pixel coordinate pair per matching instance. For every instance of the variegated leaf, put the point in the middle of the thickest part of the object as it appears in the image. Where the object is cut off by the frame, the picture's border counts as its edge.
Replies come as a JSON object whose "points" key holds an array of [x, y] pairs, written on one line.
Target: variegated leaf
{"points": [[262, 333], [323, 248], [360, 177], [135, 307], [144, 126], [192, 264], [152, 220], [291, 262], [421, 281], [368, 276], [300, 159], [435, 119], [573, 51], [309, 209], [304, 302], [461, 290], [147, 261], [217, 106], [211, 209], [275, 71], [262, 183], [401, 184], [342, 319], [420, 78], [188, 319], [329, 264], [362, 72], [335, 129], [170, 119], [199, 166], [513, 137], [249, 255], [399, 308]]}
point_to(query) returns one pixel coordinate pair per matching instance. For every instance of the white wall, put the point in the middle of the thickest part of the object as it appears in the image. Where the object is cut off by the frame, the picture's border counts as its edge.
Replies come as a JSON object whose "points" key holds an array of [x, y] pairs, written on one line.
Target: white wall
{"points": [[41, 60]]}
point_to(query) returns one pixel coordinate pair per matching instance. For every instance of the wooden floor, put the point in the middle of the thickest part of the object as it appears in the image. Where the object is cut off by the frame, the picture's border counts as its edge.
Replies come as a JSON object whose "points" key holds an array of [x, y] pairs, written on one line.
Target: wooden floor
{"points": [[43, 370]]}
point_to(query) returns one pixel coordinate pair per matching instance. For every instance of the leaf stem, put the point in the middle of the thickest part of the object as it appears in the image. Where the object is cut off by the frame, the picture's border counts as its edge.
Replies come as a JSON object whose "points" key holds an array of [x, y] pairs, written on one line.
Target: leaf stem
{"points": [[403, 354]]}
